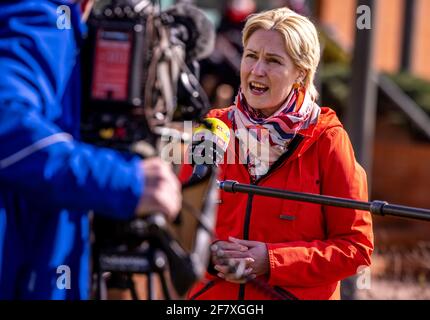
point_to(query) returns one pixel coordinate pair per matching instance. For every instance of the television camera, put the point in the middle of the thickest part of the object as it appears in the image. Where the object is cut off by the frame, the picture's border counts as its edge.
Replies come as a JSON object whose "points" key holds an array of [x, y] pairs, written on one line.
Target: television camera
{"points": [[140, 77]]}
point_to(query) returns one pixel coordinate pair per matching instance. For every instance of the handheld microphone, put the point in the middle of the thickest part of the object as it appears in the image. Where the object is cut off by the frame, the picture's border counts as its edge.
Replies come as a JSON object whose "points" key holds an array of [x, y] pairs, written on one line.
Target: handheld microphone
{"points": [[209, 144], [186, 242]]}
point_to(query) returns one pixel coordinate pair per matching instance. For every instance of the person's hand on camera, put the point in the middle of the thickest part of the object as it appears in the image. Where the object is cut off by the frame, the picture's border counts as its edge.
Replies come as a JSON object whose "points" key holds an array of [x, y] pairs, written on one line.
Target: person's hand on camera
{"points": [[162, 190]]}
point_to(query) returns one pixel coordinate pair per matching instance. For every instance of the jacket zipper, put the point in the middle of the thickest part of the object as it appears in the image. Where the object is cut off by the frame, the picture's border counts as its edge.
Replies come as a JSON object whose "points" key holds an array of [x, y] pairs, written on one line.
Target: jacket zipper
{"points": [[293, 146], [286, 294], [209, 285], [246, 237]]}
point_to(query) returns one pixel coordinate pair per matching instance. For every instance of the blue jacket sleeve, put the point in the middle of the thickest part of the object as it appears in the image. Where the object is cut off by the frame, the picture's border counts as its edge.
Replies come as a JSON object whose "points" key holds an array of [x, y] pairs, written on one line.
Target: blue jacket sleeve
{"points": [[38, 158]]}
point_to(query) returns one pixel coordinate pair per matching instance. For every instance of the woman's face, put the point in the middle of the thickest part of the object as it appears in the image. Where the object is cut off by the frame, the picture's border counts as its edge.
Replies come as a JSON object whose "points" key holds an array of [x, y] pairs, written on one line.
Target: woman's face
{"points": [[267, 73]]}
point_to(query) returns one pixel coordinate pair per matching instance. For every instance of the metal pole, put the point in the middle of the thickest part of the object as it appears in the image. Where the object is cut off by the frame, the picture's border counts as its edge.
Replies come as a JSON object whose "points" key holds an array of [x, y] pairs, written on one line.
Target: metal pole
{"points": [[408, 31], [375, 207], [361, 112]]}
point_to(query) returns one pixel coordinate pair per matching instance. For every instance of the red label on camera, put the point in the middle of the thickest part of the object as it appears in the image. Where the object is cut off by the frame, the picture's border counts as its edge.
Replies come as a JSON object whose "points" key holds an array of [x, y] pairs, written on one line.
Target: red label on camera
{"points": [[111, 69]]}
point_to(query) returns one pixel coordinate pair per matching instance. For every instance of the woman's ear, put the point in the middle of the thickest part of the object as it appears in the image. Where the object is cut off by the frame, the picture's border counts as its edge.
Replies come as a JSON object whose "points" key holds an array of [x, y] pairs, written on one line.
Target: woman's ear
{"points": [[302, 76]]}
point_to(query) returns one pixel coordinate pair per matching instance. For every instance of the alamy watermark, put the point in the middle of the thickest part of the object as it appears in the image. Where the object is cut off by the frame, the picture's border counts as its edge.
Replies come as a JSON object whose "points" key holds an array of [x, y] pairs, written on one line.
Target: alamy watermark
{"points": [[63, 17], [364, 19], [64, 278], [364, 278], [210, 148]]}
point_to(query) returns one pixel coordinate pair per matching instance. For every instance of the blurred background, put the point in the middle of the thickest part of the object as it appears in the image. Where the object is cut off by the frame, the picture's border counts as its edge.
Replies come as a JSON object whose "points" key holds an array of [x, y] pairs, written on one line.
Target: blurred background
{"points": [[376, 75], [378, 81]]}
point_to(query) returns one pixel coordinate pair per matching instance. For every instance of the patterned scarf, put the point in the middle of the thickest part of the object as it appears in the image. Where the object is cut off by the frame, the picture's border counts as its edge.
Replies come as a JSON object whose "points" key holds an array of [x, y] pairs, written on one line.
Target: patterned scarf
{"points": [[264, 139]]}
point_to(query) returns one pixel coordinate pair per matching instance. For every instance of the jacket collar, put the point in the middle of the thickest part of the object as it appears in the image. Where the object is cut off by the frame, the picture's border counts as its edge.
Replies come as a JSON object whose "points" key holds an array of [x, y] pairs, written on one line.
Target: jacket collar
{"points": [[327, 119]]}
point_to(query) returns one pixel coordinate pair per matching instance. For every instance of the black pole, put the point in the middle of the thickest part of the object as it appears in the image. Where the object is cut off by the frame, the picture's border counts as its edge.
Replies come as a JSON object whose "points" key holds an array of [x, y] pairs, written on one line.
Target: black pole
{"points": [[377, 207], [361, 112], [408, 32]]}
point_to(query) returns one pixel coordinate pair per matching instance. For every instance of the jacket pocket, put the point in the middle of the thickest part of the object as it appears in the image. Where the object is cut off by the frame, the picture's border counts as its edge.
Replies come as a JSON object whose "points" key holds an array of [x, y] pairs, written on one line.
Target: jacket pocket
{"points": [[286, 220]]}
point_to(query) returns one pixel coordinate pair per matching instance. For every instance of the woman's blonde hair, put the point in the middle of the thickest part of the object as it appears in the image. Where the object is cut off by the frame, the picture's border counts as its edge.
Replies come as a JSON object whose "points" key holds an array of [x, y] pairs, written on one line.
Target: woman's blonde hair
{"points": [[300, 35]]}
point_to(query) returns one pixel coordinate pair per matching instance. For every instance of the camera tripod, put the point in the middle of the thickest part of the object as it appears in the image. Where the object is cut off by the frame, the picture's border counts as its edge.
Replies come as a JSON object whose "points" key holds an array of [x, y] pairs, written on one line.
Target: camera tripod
{"points": [[143, 246], [127, 248], [122, 265]]}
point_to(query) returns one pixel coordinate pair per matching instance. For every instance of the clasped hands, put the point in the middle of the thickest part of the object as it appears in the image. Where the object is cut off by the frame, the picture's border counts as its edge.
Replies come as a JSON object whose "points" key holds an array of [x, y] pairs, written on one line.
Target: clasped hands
{"points": [[250, 258]]}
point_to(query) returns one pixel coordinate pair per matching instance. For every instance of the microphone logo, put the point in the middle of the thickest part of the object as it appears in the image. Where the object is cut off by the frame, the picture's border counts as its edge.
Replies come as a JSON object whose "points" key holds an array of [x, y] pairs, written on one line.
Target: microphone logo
{"points": [[210, 142]]}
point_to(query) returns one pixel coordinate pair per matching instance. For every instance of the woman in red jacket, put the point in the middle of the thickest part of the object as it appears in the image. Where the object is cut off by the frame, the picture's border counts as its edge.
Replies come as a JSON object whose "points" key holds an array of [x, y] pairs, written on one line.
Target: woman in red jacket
{"points": [[283, 139]]}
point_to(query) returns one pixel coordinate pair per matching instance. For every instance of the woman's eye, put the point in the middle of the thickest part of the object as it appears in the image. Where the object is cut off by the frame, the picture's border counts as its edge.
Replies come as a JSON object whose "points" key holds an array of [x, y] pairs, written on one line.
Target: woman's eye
{"points": [[274, 61], [251, 55]]}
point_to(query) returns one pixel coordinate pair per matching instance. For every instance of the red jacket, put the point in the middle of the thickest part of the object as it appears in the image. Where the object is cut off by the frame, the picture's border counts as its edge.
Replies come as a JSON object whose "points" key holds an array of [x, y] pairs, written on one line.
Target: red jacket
{"points": [[311, 247]]}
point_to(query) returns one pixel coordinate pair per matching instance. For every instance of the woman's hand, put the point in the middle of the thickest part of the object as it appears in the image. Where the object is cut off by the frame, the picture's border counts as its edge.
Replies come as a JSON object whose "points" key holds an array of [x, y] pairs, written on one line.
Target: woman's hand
{"points": [[237, 259], [231, 261], [258, 252]]}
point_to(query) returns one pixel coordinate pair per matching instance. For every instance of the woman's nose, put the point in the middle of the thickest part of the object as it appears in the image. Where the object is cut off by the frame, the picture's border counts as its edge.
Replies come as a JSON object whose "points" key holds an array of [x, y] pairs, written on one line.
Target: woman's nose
{"points": [[258, 68]]}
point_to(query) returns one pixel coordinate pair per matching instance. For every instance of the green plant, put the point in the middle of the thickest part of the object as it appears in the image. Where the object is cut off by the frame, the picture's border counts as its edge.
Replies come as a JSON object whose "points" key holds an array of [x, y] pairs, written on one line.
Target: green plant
{"points": [[416, 88]]}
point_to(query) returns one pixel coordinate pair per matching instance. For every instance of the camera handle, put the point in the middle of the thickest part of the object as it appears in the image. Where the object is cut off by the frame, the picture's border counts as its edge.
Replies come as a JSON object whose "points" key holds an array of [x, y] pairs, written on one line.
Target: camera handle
{"points": [[122, 265], [141, 254]]}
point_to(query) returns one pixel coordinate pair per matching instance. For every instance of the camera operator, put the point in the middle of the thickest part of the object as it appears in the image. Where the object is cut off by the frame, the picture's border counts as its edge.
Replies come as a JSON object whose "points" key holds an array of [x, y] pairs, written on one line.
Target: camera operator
{"points": [[48, 179]]}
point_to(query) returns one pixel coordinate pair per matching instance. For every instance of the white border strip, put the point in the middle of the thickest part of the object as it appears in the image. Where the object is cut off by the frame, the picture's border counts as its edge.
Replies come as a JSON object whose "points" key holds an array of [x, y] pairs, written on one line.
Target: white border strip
{"points": [[38, 145]]}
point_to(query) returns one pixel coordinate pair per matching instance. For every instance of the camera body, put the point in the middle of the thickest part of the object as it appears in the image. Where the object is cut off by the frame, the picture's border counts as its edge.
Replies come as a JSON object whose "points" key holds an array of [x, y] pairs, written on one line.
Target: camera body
{"points": [[139, 74], [140, 70], [116, 56]]}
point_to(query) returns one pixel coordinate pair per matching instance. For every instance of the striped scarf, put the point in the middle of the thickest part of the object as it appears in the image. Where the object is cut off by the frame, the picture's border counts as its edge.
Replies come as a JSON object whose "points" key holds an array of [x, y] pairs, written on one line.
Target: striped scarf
{"points": [[264, 139]]}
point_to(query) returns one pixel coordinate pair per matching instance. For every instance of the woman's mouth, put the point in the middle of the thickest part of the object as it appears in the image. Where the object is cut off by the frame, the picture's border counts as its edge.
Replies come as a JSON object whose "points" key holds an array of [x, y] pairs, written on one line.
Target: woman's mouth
{"points": [[257, 88]]}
